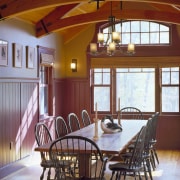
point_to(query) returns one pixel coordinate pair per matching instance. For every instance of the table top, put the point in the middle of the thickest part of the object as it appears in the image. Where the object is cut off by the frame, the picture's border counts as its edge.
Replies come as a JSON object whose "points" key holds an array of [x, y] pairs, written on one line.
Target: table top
{"points": [[113, 143]]}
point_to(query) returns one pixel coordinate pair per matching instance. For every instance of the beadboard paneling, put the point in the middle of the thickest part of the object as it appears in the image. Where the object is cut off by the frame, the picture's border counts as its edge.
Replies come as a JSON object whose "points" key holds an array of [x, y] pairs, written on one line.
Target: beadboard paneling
{"points": [[9, 122], [18, 115], [29, 116]]}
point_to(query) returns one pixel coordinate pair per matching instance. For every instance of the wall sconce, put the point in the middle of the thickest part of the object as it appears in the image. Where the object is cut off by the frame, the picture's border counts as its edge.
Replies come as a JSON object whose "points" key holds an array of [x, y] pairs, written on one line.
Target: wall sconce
{"points": [[74, 65]]}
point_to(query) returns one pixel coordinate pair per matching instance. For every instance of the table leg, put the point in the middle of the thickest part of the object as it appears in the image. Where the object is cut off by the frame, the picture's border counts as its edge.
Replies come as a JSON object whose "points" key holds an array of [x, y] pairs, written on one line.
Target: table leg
{"points": [[84, 165]]}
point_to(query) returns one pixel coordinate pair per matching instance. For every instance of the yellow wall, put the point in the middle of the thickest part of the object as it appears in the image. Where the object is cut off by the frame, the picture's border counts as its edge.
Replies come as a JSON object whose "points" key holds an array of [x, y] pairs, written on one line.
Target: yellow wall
{"points": [[77, 49], [59, 65]]}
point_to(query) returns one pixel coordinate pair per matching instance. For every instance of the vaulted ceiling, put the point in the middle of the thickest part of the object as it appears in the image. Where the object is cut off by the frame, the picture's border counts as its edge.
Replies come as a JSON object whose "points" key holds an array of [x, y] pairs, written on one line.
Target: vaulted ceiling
{"points": [[72, 16]]}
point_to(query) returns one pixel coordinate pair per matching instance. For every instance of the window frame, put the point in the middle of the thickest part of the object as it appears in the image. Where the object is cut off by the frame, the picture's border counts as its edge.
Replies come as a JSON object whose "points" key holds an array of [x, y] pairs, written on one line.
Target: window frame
{"points": [[49, 78], [158, 94], [104, 28], [169, 85], [100, 85]]}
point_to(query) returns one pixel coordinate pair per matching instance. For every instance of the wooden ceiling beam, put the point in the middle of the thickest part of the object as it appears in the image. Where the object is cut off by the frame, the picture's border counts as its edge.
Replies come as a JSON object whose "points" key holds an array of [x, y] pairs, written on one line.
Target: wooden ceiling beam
{"points": [[165, 8], [9, 8], [18, 7], [100, 16], [54, 16]]}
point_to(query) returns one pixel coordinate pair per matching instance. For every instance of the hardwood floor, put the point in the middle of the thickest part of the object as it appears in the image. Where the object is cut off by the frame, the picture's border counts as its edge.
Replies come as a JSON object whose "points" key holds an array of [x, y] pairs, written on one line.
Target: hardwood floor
{"points": [[168, 169]]}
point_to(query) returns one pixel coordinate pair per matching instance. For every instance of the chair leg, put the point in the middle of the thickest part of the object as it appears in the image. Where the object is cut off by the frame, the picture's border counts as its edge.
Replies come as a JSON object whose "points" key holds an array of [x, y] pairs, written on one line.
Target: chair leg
{"points": [[49, 174], [135, 175], [125, 173], [153, 160], [149, 168], [58, 174], [145, 173], [156, 156], [118, 175], [152, 163], [42, 175], [140, 176], [112, 175]]}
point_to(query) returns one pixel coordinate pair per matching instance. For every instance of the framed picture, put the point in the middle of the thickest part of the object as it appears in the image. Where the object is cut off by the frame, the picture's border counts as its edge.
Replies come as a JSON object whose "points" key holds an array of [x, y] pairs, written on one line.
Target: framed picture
{"points": [[30, 57], [17, 54], [3, 53]]}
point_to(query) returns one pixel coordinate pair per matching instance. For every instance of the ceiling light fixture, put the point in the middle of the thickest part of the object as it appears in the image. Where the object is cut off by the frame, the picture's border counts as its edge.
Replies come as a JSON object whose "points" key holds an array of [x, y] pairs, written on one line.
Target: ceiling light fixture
{"points": [[112, 44]]}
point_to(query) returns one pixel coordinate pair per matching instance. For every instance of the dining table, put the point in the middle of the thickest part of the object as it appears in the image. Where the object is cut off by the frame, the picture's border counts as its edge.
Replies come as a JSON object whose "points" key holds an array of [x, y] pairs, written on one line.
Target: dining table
{"points": [[111, 144]]}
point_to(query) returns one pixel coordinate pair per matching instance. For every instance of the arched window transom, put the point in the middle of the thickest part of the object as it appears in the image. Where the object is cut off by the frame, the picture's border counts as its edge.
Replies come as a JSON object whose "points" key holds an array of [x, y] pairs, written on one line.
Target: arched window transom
{"points": [[141, 32]]}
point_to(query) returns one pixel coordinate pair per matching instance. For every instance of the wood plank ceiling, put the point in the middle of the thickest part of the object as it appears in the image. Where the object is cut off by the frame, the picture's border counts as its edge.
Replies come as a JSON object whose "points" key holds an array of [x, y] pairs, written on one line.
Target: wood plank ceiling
{"points": [[72, 16]]}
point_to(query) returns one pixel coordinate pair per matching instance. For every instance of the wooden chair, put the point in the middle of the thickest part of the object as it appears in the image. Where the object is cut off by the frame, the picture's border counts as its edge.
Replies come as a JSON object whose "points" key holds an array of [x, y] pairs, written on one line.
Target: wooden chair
{"points": [[153, 140], [73, 122], [147, 157], [89, 163], [43, 136], [85, 118], [133, 164], [148, 153], [60, 127], [131, 113]]}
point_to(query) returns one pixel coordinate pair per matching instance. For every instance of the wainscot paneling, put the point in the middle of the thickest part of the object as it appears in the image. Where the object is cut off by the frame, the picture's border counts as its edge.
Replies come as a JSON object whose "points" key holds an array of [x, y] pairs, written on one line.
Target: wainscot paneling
{"points": [[29, 116], [9, 122], [59, 94], [168, 132], [77, 97], [19, 113]]}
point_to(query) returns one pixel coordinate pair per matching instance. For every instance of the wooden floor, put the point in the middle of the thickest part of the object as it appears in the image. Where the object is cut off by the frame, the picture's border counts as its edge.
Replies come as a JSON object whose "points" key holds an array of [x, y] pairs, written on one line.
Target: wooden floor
{"points": [[168, 169]]}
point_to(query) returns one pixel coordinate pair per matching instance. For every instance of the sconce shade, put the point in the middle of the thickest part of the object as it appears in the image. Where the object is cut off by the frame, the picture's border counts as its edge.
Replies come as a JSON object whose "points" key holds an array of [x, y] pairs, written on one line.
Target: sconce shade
{"points": [[93, 47], [74, 65], [131, 47]]}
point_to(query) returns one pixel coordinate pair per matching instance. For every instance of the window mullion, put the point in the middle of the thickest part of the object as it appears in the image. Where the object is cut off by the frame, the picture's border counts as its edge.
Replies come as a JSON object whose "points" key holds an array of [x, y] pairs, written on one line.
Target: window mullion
{"points": [[113, 91], [158, 90]]}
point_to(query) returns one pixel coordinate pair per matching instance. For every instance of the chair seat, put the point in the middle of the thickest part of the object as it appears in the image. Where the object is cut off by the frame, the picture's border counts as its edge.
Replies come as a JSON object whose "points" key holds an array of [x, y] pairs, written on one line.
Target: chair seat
{"points": [[82, 178], [47, 163], [124, 167], [60, 163]]}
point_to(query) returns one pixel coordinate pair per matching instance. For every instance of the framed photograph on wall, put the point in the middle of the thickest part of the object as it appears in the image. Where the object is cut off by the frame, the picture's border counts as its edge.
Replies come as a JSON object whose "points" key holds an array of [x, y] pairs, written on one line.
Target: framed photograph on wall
{"points": [[17, 55], [3, 53], [30, 57]]}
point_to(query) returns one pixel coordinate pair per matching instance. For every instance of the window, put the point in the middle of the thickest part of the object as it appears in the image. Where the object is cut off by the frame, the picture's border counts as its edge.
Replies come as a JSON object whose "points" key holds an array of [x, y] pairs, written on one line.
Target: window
{"points": [[45, 106], [102, 88], [46, 59], [44, 90], [136, 87], [141, 32], [170, 89]]}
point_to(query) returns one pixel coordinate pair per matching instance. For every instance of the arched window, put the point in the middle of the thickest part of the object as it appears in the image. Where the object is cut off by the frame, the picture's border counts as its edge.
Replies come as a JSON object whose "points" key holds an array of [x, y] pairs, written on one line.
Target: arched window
{"points": [[140, 32]]}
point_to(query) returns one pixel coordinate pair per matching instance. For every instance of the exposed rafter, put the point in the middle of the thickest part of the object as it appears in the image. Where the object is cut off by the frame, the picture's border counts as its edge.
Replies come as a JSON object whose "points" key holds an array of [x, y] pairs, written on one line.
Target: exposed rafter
{"points": [[15, 7], [55, 15]]}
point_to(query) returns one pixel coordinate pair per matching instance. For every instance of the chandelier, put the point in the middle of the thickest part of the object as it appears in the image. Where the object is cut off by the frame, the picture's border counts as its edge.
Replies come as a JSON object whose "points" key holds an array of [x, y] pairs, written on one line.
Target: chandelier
{"points": [[111, 45]]}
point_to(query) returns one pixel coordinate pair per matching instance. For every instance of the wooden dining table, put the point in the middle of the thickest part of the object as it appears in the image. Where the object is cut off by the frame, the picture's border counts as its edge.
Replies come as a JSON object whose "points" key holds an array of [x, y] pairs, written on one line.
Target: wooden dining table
{"points": [[113, 143], [109, 144]]}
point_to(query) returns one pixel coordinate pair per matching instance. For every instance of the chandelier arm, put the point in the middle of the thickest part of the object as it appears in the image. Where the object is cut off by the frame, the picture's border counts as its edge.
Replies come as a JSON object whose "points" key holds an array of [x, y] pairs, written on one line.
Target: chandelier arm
{"points": [[97, 4], [111, 45], [111, 9]]}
